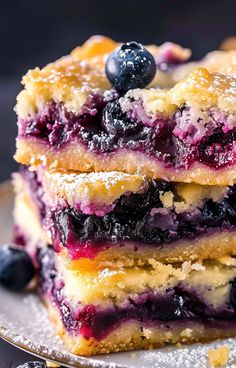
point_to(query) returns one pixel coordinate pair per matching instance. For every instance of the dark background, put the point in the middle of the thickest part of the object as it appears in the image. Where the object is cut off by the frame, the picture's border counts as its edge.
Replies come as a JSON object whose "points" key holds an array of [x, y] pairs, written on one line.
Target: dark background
{"points": [[33, 33]]}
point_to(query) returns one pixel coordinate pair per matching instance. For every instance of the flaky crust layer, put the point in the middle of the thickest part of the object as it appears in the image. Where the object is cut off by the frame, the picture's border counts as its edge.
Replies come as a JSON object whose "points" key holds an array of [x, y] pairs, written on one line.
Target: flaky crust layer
{"points": [[75, 156], [134, 336]]}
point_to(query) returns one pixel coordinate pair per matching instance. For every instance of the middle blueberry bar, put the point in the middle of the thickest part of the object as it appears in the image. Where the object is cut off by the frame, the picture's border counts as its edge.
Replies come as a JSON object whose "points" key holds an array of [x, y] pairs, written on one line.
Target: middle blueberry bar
{"points": [[116, 218]]}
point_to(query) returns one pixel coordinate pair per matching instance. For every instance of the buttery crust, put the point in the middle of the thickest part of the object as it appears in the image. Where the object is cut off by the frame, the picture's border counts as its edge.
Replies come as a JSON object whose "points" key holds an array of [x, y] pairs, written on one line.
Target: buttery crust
{"points": [[96, 188], [104, 188], [134, 336], [75, 156], [221, 61], [200, 89]]}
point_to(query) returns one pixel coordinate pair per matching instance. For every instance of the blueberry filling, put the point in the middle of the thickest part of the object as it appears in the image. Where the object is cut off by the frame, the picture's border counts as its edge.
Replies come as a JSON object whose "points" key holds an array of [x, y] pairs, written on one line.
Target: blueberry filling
{"points": [[104, 128], [217, 149], [141, 218], [176, 304]]}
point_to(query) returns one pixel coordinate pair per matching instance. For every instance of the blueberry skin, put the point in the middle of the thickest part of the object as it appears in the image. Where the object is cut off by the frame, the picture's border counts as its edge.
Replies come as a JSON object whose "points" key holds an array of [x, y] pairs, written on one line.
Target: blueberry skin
{"points": [[33, 365], [130, 66], [16, 268]]}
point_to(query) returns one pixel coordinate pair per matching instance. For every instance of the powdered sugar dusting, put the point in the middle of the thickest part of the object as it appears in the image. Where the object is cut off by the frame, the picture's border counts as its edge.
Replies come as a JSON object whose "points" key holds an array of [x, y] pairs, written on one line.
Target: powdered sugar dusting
{"points": [[24, 322], [93, 192]]}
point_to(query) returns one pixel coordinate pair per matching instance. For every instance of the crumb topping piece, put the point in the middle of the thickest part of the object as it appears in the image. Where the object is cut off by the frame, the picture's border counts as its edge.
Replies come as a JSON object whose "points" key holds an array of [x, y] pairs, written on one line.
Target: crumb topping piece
{"points": [[200, 89], [219, 356], [97, 188]]}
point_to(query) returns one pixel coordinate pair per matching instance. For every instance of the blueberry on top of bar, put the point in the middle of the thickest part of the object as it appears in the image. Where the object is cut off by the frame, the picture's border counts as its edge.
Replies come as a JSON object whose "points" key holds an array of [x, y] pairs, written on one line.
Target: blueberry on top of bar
{"points": [[130, 66]]}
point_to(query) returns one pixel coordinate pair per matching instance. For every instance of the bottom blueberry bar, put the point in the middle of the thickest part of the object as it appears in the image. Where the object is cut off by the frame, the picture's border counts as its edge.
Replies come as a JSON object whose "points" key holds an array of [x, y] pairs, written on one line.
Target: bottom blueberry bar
{"points": [[138, 308]]}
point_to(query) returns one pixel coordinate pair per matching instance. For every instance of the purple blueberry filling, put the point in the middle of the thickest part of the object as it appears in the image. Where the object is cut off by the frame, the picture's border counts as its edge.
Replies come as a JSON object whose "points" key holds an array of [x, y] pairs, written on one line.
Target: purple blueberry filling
{"points": [[103, 127], [141, 218], [176, 304]]}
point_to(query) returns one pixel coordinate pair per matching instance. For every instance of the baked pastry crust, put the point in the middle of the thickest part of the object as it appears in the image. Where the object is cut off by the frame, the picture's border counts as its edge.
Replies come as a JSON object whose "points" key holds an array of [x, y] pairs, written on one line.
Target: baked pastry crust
{"points": [[76, 157]]}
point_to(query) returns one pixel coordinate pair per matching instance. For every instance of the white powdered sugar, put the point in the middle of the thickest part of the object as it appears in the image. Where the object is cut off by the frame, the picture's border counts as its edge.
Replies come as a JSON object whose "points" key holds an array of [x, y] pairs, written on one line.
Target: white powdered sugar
{"points": [[24, 322]]}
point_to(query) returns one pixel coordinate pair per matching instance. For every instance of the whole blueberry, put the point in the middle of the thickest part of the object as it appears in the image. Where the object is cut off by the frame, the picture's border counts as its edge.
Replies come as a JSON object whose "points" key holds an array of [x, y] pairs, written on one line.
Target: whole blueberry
{"points": [[130, 66], [16, 267], [33, 365]]}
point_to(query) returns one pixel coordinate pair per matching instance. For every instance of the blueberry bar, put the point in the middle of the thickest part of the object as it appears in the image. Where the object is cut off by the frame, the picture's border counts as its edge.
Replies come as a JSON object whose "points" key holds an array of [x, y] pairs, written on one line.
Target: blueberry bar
{"points": [[134, 308], [71, 116], [111, 219]]}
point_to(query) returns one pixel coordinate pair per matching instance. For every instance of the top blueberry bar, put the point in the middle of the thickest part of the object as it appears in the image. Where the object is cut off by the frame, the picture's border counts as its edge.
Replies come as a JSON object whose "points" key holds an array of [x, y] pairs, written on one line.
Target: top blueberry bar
{"points": [[102, 109]]}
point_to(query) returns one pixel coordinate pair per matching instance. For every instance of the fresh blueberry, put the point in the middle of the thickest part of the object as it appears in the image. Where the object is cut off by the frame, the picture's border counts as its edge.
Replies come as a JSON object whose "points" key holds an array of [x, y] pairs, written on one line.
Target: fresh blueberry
{"points": [[33, 365], [16, 268], [130, 66]]}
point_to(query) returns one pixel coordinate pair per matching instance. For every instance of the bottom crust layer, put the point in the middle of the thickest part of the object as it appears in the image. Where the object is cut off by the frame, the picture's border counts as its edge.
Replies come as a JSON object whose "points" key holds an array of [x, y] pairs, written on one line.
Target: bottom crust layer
{"points": [[134, 336], [75, 156]]}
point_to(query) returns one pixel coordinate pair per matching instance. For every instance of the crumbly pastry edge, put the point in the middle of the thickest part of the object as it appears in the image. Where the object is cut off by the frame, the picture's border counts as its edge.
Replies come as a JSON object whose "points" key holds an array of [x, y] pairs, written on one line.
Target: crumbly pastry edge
{"points": [[75, 156]]}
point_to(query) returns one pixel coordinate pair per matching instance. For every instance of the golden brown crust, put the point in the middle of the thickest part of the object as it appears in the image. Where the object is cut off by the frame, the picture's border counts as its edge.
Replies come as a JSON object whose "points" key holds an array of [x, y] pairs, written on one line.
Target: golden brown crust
{"points": [[221, 61], [96, 188], [75, 157], [104, 188], [200, 89], [228, 44], [134, 336]]}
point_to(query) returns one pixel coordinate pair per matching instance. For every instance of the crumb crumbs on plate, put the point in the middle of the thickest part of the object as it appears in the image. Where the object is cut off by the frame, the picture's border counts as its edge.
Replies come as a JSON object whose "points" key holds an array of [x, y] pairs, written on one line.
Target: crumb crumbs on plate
{"points": [[52, 365], [178, 345], [219, 356]]}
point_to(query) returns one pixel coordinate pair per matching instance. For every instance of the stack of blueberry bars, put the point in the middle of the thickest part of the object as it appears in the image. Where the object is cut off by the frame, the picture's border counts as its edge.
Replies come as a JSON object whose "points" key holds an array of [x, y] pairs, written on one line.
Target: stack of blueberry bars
{"points": [[125, 197]]}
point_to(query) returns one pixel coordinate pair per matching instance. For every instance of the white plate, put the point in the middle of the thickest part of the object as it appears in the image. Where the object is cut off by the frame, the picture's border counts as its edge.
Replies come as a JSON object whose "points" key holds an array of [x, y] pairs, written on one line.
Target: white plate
{"points": [[25, 324]]}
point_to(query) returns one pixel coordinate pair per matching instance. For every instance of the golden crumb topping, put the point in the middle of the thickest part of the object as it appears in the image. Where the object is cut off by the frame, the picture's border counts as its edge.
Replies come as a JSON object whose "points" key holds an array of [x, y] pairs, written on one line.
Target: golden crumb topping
{"points": [[109, 284], [101, 188], [215, 61], [200, 89], [228, 44], [73, 78], [104, 188], [192, 195]]}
